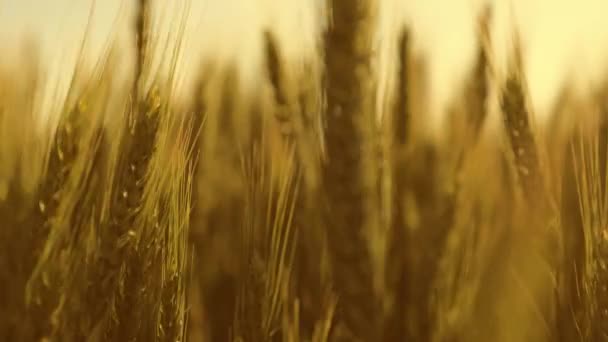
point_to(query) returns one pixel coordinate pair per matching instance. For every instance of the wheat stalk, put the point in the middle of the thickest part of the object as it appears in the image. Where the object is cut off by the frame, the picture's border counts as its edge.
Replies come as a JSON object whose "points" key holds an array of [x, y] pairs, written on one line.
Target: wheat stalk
{"points": [[397, 271]]}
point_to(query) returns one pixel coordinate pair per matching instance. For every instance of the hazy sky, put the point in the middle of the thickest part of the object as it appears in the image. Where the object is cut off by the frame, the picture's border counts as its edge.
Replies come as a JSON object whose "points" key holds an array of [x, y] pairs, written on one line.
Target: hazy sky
{"points": [[561, 37]]}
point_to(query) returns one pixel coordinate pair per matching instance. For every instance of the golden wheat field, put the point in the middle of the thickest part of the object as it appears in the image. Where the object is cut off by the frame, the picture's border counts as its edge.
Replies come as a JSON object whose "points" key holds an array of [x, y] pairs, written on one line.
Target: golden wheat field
{"points": [[315, 206]]}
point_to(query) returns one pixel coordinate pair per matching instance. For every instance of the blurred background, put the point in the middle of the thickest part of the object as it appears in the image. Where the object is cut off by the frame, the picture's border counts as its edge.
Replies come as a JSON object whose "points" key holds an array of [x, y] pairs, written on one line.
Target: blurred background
{"points": [[562, 39]]}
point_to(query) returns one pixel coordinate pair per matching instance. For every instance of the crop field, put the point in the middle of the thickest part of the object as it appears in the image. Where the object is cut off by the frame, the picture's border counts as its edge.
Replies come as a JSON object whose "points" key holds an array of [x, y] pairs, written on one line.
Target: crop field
{"points": [[307, 209]]}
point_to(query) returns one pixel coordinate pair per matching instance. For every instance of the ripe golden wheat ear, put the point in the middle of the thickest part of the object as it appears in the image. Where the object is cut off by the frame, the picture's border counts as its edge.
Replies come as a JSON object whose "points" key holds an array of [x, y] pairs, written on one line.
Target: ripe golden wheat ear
{"points": [[350, 156]]}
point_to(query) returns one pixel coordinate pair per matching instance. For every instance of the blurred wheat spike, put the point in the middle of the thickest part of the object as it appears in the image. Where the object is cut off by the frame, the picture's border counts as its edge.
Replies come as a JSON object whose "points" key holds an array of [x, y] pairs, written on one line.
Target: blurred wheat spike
{"points": [[350, 80]]}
